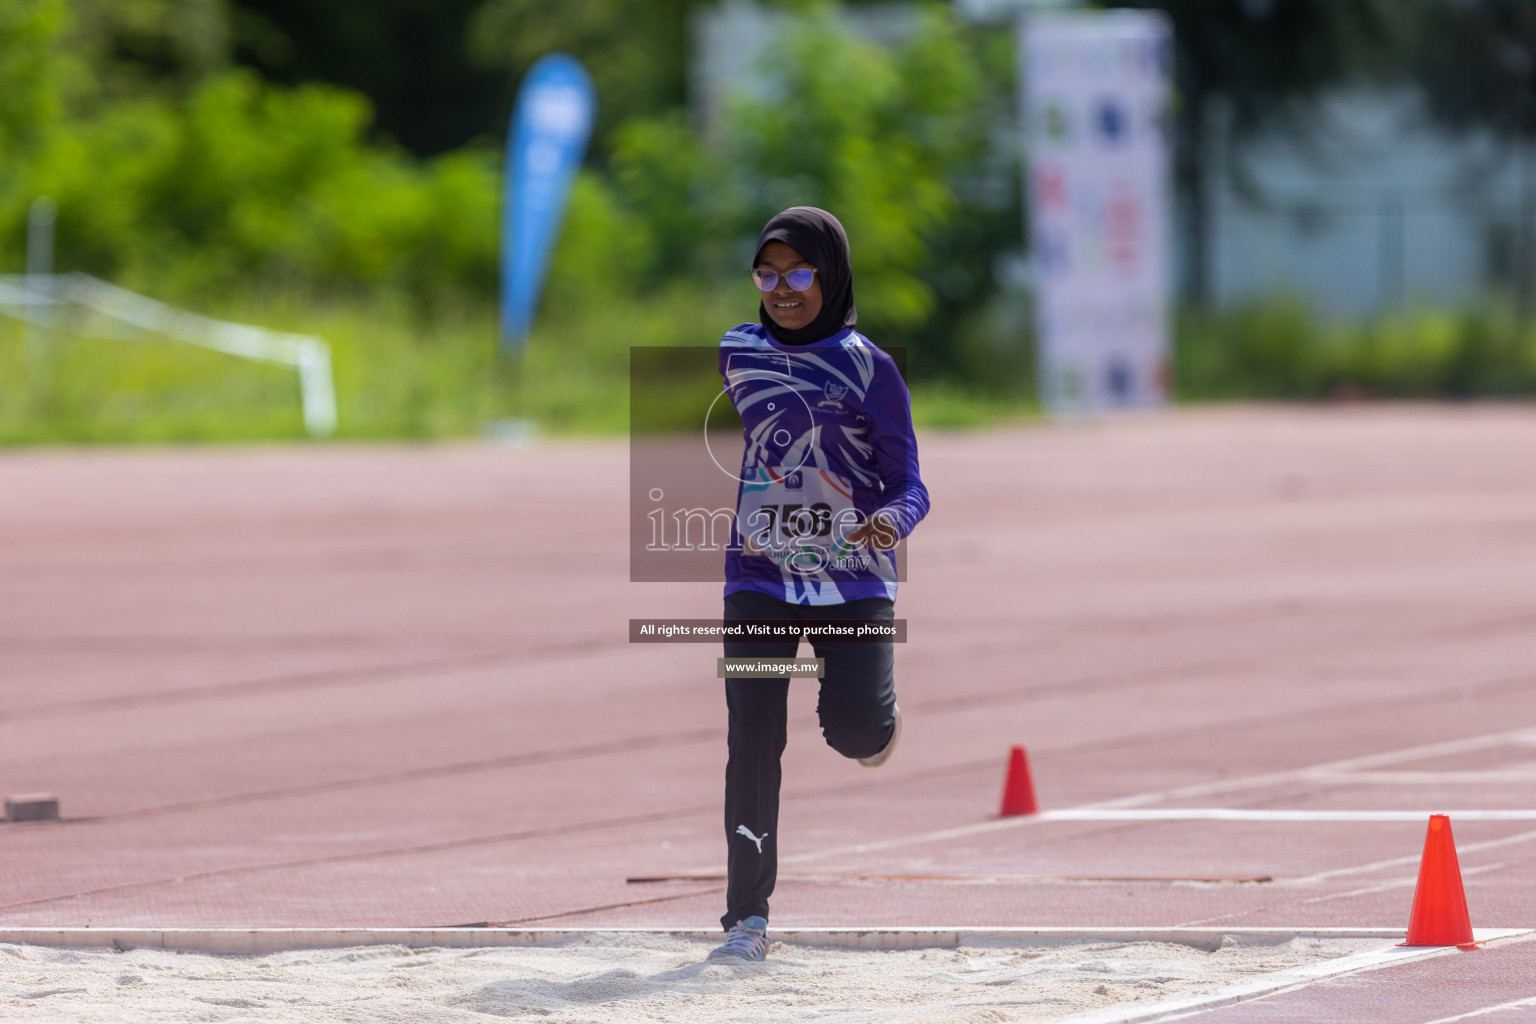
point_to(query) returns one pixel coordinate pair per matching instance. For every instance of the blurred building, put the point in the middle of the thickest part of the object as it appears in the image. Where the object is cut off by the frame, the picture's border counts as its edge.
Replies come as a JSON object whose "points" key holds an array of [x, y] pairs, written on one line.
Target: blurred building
{"points": [[1363, 210]]}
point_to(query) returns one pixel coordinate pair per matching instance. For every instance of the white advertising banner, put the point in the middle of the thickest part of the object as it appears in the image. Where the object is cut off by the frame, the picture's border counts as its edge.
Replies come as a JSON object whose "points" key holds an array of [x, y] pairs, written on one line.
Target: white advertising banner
{"points": [[1097, 125]]}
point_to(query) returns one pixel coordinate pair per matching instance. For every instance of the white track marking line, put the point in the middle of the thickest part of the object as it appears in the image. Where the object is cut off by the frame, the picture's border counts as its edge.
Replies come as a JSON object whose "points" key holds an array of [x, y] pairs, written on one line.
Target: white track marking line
{"points": [[1430, 779], [1098, 813], [1271, 814], [1263, 985], [1396, 862], [1427, 778], [1490, 741], [1190, 1004], [1398, 883], [1517, 1004], [995, 825], [1525, 736]]}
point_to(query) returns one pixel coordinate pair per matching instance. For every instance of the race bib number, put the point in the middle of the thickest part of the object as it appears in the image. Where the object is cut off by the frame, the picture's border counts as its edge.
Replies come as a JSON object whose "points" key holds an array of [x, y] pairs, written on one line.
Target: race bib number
{"points": [[797, 518]]}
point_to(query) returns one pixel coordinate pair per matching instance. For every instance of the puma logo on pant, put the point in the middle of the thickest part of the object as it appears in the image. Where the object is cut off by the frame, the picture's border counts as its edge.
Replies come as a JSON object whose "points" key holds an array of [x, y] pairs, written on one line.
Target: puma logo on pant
{"points": [[742, 830]]}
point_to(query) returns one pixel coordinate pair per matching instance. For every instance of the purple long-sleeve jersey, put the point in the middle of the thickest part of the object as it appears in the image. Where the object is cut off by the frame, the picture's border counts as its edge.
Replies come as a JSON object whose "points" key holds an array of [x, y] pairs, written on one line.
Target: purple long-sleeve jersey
{"points": [[828, 440]]}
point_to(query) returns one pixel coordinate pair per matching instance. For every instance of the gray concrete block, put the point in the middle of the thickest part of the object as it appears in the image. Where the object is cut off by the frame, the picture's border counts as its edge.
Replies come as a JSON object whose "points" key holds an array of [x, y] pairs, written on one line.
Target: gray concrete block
{"points": [[32, 807]]}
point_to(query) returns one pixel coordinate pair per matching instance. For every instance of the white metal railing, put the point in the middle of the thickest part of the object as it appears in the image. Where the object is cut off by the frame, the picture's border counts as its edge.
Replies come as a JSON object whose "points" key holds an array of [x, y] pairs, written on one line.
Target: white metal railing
{"points": [[36, 298]]}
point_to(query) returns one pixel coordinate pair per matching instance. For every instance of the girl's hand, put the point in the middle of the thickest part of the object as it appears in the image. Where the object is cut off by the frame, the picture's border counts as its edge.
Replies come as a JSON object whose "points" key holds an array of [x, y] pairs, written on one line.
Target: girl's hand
{"points": [[879, 531]]}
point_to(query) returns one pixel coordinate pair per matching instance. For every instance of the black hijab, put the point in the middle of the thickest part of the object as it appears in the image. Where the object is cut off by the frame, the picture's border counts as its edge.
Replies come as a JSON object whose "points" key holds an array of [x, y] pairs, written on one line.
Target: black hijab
{"points": [[816, 235]]}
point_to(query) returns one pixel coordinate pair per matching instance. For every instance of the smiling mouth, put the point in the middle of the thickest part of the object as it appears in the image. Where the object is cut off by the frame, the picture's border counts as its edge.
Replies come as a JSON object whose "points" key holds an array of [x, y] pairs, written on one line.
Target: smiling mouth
{"points": [[786, 305]]}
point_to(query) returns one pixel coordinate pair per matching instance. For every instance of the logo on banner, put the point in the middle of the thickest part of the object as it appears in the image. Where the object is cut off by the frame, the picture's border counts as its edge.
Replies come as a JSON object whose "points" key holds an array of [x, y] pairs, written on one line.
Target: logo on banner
{"points": [[1050, 185], [1112, 122], [1124, 228], [1053, 253], [1054, 122]]}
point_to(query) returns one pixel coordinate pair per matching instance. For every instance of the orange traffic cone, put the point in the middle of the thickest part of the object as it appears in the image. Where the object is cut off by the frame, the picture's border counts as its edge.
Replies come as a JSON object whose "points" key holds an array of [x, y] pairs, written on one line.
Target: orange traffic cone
{"points": [[1018, 788], [1439, 915]]}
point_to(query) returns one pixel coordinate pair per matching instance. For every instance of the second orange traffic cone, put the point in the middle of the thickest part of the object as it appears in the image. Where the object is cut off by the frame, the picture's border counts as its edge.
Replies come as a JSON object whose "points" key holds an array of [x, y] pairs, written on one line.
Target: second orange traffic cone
{"points": [[1018, 787], [1439, 916]]}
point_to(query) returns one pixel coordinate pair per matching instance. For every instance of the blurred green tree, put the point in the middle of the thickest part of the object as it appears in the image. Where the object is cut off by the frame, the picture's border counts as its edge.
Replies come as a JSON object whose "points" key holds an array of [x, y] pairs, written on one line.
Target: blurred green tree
{"points": [[868, 133], [33, 70], [64, 59], [247, 185], [137, 47], [183, 175], [886, 138], [639, 57]]}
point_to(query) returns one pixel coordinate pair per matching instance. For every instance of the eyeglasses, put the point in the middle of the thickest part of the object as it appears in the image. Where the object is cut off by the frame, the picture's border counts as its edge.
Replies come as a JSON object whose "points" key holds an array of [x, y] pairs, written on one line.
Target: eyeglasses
{"points": [[798, 279]]}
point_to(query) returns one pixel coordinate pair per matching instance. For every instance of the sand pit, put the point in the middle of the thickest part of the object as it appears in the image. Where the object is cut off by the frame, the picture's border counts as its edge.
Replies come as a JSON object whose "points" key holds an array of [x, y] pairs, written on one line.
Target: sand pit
{"points": [[611, 977]]}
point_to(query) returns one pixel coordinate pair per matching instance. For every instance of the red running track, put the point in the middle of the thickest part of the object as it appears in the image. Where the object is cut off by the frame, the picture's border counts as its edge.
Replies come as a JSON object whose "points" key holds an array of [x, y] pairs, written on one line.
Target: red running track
{"points": [[390, 686]]}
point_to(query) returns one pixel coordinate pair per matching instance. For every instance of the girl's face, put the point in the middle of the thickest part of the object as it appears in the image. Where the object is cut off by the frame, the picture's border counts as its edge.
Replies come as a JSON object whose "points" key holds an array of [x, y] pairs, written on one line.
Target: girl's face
{"points": [[790, 309]]}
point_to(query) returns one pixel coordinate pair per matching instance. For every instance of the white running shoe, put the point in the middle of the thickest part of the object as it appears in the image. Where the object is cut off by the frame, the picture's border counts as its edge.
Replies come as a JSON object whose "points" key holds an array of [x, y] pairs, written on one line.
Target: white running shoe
{"points": [[748, 940], [876, 760]]}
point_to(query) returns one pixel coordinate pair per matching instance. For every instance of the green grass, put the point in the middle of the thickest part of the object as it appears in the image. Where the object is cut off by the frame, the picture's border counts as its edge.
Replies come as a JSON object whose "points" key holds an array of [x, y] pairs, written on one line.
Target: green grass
{"points": [[74, 390], [398, 375], [404, 376]]}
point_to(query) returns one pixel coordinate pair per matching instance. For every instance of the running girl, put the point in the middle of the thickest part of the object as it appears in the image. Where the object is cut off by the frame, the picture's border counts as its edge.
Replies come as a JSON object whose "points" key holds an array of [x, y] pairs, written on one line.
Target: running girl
{"points": [[829, 486]]}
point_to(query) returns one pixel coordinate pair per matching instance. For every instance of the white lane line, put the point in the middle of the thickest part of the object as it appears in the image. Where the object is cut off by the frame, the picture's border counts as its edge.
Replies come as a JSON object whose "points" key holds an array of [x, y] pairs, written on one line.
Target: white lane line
{"points": [[1271, 814], [1520, 775], [1396, 862], [1399, 883], [1263, 985], [1515, 1005], [1098, 813], [1191, 1003], [1525, 736], [996, 825]]}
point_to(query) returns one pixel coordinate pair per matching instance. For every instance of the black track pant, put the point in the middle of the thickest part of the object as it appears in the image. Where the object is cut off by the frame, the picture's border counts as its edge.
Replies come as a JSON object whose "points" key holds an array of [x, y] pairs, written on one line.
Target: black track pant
{"points": [[856, 708]]}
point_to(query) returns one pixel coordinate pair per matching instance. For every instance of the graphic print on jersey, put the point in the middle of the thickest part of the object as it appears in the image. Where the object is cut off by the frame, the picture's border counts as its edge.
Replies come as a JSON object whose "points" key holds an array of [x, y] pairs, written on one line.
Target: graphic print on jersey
{"points": [[826, 442]]}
